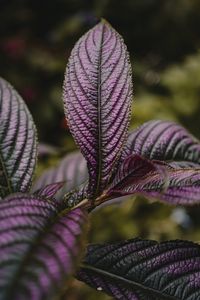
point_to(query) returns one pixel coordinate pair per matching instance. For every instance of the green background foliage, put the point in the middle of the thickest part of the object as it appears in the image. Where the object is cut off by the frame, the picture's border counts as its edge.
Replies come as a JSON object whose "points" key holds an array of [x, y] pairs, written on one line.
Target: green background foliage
{"points": [[163, 41]]}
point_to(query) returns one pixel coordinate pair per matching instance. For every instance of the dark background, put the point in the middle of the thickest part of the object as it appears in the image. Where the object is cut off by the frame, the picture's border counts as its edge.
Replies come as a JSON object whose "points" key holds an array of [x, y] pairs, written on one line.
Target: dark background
{"points": [[163, 38]]}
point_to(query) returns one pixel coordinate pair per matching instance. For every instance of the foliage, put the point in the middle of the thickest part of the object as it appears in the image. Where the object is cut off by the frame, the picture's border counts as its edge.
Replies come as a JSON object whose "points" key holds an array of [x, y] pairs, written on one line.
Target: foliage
{"points": [[42, 235], [36, 40]]}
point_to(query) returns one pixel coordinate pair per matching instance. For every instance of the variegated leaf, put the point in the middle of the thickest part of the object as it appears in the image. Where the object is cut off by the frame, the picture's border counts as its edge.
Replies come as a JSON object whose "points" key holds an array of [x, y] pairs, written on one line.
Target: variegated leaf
{"points": [[97, 97], [18, 142], [174, 183], [144, 270], [39, 247], [135, 169], [72, 171], [50, 190], [163, 140]]}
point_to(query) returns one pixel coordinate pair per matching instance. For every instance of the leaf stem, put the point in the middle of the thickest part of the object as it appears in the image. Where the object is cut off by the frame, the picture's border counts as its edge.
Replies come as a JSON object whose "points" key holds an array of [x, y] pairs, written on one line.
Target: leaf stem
{"points": [[87, 204]]}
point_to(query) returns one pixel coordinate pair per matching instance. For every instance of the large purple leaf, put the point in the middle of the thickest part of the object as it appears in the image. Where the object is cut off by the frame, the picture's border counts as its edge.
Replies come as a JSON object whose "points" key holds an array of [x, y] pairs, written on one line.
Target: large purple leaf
{"points": [[17, 142], [176, 150], [174, 183], [144, 270], [163, 140], [72, 171], [97, 98], [39, 247]]}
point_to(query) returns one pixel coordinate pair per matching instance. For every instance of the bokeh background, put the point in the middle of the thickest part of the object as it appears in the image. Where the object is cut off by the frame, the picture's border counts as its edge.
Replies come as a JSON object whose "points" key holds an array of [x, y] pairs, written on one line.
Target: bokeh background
{"points": [[163, 38]]}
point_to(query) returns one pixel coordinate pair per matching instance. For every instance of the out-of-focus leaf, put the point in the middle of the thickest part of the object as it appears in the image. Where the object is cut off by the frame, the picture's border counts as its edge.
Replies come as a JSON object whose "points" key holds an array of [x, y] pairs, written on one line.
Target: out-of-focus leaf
{"points": [[39, 247], [144, 270], [18, 142], [97, 97], [163, 140], [49, 190], [44, 149], [72, 171]]}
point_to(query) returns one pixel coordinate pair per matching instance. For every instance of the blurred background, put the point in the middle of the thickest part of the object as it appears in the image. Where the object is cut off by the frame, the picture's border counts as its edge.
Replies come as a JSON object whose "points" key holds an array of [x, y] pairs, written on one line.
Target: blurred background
{"points": [[163, 38]]}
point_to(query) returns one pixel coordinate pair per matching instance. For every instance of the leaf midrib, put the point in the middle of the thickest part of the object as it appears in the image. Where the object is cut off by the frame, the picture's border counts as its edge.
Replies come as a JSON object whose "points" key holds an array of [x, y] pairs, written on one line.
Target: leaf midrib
{"points": [[50, 222], [99, 174], [129, 283]]}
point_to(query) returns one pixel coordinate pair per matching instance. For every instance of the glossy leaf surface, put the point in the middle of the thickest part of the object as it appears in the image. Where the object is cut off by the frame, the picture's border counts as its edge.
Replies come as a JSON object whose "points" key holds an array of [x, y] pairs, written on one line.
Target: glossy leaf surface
{"points": [[38, 248], [97, 97], [17, 142], [144, 270], [72, 171]]}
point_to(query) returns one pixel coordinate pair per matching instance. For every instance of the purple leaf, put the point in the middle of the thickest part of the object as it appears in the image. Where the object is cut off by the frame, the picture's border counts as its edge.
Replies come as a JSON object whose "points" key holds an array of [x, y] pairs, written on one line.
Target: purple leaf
{"points": [[132, 171], [178, 184], [49, 190], [183, 187], [141, 269], [71, 170], [163, 140], [173, 148], [39, 247], [45, 150], [97, 97], [18, 142]]}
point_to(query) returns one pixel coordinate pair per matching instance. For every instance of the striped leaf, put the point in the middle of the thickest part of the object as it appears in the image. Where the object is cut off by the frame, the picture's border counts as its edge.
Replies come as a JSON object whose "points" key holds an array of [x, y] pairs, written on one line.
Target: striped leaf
{"points": [[17, 142], [72, 171], [183, 185], [168, 145], [50, 190], [39, 247], [97, 98], [144, 270], [174, 183], [133, 170], [163, 140]]}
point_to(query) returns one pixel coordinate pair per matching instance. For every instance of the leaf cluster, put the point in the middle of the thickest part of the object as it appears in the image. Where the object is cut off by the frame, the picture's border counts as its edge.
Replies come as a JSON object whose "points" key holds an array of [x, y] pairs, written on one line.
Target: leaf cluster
{"points": [[43, 228]]}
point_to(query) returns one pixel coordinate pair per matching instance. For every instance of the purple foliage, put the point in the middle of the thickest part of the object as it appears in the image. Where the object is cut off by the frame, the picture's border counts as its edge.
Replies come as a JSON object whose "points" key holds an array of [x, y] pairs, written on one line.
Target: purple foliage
{"points": [[173, 148], [41, 238], [132, 171], [142, 269], [45, 150], [72, 171], [97, 97], [163, 140], [172, 183], [50, 190], [18, 142], [38, 248]]}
